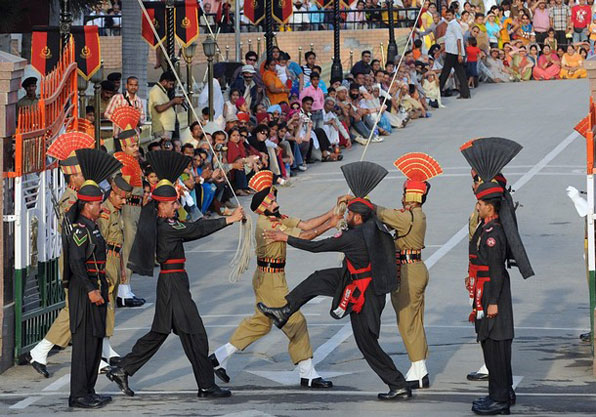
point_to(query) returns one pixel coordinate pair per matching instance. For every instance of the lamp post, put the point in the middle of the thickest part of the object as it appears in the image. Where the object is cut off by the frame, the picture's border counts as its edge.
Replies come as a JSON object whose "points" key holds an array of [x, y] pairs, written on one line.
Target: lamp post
{"points": [[82, 87], [209, 48], [336, 69], [65, 22], [188, 54], [268, 29], [96, 79], [391, 45]]}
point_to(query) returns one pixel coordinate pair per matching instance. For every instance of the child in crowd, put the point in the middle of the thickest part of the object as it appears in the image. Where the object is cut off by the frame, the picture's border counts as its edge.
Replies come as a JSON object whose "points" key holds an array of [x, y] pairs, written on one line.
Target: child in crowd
{"points": [[472, 54]]}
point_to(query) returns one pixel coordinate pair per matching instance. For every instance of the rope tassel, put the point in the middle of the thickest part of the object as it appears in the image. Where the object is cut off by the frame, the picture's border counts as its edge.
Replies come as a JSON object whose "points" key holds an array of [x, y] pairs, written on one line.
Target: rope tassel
{"points": [[244, 250]]}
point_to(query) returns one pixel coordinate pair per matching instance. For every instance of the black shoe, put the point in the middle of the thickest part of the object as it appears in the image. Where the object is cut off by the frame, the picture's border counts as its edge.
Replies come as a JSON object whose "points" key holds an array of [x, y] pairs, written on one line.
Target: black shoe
{"points": [[218, 370], [315, 383], [586, 337], [446, 93], [512, 398], [396, 394], [424, 383], [129, 302], [481, 400], [104, 399], [115, 360], [39, 367], [279, 315], [120, 377], [214, 392], [491, 408], [88, 401], [477, 376], [134, 297]]}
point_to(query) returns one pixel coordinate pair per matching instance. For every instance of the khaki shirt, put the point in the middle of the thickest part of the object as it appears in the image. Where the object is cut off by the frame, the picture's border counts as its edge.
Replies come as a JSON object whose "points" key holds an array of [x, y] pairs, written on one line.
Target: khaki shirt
{"points": [[105, 123], [110, 224], [473, 223], [69, 197], [275, 250], [26, 101], [410, 226], [164, 121]]}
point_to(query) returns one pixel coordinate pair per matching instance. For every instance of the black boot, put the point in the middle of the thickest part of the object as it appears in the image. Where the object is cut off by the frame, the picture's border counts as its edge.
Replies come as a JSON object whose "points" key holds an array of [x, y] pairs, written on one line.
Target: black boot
{"points": [[279, 315], [315, 383], [477, 376], [88, 401], [396, 394], [219, 371], [585, 337], [120, 377], [214, 392], [491, 408], [40, 368], [423, 383], [103, 399]]}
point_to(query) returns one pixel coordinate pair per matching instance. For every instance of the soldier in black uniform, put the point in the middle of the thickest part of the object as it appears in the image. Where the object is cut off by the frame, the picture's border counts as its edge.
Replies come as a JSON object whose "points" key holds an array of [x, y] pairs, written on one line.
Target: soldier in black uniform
{"points": [[495, 245], [161, 234], [360, 285], [84, 263]]}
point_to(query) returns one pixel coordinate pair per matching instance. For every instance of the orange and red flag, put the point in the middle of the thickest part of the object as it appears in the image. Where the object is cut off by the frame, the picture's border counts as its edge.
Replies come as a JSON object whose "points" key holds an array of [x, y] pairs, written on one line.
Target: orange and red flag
{"points": [[254, 10], [187, 22], [157, 14], [281, 10]]}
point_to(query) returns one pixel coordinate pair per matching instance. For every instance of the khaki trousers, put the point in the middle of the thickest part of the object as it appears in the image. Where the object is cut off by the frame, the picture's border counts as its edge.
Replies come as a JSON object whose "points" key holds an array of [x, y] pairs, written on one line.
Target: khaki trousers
{"points": [[271, 289], [130, 219], [59, 333], [112, 277], [408, 304]]}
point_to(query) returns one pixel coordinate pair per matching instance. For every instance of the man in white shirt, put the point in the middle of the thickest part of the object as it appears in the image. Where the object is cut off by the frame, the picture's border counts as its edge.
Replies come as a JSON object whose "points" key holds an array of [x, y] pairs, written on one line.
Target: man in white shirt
{"points": [[454, 55]]}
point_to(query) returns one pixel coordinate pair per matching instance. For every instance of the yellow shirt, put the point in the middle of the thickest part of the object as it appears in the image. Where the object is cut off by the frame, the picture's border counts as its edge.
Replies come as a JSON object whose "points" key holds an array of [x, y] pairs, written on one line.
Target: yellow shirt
{"points": [[409, 224], [166, 120], [274, 250], [110, 224]]}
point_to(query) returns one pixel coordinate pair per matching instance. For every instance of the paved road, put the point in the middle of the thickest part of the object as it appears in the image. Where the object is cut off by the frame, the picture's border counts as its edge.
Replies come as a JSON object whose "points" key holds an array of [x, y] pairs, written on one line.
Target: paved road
{"points": [[552, 367]]}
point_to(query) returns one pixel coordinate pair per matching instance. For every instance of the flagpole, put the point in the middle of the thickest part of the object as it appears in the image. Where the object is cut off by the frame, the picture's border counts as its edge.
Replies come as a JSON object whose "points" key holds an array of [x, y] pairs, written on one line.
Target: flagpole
{"points": [[268, 29], [65, 23], [170, 30], [237, 29]]}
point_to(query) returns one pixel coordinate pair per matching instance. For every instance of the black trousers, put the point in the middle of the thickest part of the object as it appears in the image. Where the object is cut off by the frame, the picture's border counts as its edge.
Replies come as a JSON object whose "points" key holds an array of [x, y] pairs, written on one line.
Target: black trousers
{"points": [[85, 358], [561, 38], [196, 348], [540, 37], [452, 62], [497, 357], [325, 283]]}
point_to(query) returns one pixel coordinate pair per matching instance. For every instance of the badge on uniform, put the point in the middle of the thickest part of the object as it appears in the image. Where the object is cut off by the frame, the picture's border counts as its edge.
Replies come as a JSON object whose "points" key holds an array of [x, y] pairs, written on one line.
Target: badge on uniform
{"points": [[79, 240], [491, 242], [176, 225]]}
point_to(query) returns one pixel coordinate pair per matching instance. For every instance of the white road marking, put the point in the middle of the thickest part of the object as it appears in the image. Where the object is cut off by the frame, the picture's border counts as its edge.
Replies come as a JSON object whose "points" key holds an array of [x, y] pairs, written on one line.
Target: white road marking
{"points": [[24, 403], [516, 381], [59, 383], [248, 413]]}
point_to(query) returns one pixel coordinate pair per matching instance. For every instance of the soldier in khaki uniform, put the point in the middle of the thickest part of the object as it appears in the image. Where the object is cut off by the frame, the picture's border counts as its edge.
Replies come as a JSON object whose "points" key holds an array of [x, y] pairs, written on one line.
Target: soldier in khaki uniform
{"points": [[110, 227], [63, 149], [409, 224], [270, 286], [30, 98], [127, 119]]}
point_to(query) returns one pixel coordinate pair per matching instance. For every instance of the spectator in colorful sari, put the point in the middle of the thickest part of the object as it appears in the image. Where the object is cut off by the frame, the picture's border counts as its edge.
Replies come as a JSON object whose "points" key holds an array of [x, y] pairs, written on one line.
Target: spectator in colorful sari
{"points": [[521, 66], [549, 65], [572, 65]]}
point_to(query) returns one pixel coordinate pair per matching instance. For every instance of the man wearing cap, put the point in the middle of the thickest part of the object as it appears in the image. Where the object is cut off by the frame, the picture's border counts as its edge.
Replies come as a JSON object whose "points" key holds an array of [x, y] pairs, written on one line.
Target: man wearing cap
{"points": [[30, 99], [110, 226], [161, 237], [131, 210], [409, 225], [108, 89], [116, 78], [269, 283], [360, 285], [84, 268], [161, 107], [63, 149], [248, 87], [128, 98]]}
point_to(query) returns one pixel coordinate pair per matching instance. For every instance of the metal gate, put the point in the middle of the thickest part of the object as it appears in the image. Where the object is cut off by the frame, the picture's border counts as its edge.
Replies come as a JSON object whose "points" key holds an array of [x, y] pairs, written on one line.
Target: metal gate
{"points": [[37, 288]]}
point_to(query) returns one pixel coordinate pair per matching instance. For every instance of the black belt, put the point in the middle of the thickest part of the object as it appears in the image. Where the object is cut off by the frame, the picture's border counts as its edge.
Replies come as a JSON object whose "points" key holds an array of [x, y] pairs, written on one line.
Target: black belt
{"points": [[114, 247], [270, 264]]}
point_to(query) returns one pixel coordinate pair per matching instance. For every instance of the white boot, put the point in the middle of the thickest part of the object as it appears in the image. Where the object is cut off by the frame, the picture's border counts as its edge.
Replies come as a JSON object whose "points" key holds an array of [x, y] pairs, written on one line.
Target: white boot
{"points": [[309, 377], [124, 291], [103, 367], [483, 369], [418, 373], [106, 349], [223, 353], [40, 352]]}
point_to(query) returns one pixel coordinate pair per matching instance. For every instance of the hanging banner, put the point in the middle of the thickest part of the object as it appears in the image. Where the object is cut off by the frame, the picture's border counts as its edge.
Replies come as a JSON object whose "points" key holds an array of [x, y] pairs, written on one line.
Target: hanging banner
{"points": [[281, 10], [87, 50], [157, 14], [187, 22], [45, 48], [325, 3], [254, 10]]}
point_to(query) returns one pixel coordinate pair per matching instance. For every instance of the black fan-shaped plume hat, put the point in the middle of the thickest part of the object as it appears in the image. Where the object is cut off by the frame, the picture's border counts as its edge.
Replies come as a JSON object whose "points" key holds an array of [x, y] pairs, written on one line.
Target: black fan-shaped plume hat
{"points": [[488, 156], [96, 166], [362, 177], [168, 167]]}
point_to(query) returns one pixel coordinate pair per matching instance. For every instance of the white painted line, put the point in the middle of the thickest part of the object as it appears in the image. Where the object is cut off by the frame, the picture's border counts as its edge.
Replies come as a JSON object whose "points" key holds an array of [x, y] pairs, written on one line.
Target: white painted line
{"points": [[329, 346], [516, 381], [59, 383], [318, 300], [331, 393], [211, 316], [24, 403]]}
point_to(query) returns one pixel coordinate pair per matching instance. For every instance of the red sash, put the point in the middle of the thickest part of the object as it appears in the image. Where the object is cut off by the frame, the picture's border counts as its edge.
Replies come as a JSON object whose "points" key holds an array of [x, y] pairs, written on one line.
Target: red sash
{"points": [[350, 301]]}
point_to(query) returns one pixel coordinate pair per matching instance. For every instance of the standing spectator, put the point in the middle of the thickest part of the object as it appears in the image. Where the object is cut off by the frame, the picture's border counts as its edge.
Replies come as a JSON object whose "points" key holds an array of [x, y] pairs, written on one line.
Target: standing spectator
{"points": [[362, 66], [310, 58], [580, 19], [472, 54], [316, 18], [356, 17], [454, 50], [116, 78], [128, 98], [163, 115], [560, 21], [277, 91], [592, 32], [318, 97], [540, 21], [299, 20]]}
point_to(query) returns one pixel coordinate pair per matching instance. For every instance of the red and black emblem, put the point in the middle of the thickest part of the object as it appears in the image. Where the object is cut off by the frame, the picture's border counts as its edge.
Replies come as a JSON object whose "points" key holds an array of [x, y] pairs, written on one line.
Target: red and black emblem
{"points": [[187, 22], [45, 48], [281, 10], [87, 50], [157, 14], [254, 10]]}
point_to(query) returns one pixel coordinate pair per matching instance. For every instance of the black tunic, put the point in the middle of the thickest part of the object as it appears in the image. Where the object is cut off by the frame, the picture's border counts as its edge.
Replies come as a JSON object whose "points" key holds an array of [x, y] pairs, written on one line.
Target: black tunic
{"points": [[174, 307], [86, 251], [490, 245]]}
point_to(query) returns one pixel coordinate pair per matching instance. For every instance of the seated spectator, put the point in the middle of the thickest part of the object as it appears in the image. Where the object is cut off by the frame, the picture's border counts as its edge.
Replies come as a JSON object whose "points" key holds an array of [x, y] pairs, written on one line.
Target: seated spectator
{"points": [[277, 91], [230, 109], [572, 65], [236, 154], [533, 54], [363, 66], [493, 31], [430, 84], [498, 73], [548, 66], [248, 86], [521, 66]]}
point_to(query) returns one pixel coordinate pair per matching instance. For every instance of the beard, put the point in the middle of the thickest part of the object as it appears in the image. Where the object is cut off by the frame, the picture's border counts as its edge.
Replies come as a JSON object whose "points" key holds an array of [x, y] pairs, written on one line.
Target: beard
{"points": [[274, 213]]}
